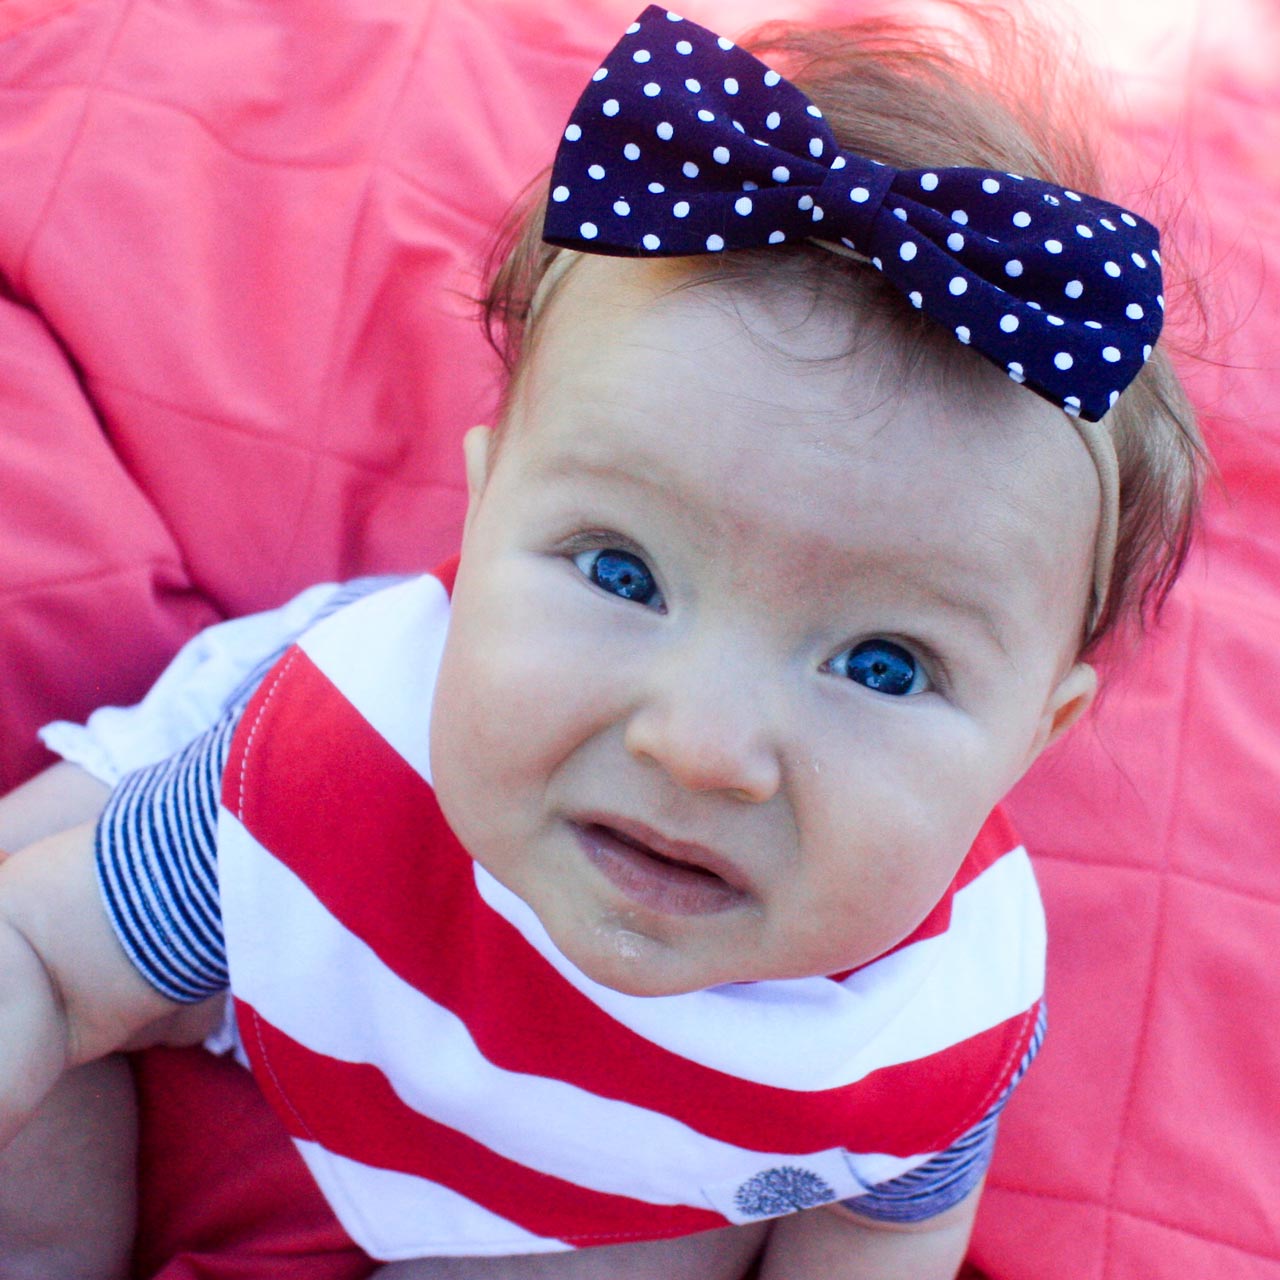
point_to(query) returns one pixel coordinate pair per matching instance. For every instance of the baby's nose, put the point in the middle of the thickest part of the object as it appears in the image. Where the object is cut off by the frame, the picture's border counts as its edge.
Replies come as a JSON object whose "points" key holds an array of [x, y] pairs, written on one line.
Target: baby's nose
{"points": [[709, 732]]}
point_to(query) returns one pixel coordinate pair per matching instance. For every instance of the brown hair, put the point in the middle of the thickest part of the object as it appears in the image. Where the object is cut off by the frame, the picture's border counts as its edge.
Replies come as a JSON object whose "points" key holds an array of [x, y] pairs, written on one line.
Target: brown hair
{"points": [[992, 94]]}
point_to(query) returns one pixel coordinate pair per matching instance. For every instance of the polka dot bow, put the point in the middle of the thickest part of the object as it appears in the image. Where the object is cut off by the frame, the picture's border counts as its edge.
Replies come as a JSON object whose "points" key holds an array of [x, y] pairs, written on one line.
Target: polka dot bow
{"points": [[684, 143]]}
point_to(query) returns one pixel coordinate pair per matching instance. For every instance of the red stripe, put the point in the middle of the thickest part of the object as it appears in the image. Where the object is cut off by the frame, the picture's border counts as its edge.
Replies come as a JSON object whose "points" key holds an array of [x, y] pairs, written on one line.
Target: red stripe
{"points": [[327, 793], [351, 1109]]}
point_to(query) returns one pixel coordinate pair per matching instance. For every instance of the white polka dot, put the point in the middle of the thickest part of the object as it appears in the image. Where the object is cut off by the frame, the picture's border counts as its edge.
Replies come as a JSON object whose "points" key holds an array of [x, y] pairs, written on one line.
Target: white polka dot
{"points": [[1160, 301], [814, 111], [959, 215], [1146, 353], [917, 299], [610, 108], [560, 195], [962, 332], [1035, 306], [641, 55], [875, 262], [782, 174], [815, 147], [1092, 324], [1016, 372], [1112, 398], [743, 205], [1053, 246], [731, 85], [1138, 260], [1111, 354], [588, 231], [990, 186], [1085, 232], [957, 285], [1063, 360], [772, 120], [955, 242], [1110, 226], [573, 133], [900, 214], [771, 78], [1013, 267], [631, 151], [859, 195], [680, 209], [907, 251], [652, 89], [721, 155], [1111, 268], [724, 42], [929, 181], [1073, 289], [1071, 195], [1128, 219], [1155, 253], [596, 171], [715, 243], [805, 202], [1053, 200], [838, 162], [1134, 311], [1071, 405], [1008, 323], [600, 74], [633, 28], [651, 242], [1022, 218], [621, 208], [706, 116], [776, 237], [657, 188], [689, 169], [1056, 321], [683, 46], [673, 17], [818, 213]]}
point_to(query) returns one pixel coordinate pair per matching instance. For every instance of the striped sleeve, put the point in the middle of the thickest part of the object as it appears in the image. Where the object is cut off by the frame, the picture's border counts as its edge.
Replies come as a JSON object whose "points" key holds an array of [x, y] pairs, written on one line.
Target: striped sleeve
{"points": [[944, 1180], [156, 858], [155, 846]]}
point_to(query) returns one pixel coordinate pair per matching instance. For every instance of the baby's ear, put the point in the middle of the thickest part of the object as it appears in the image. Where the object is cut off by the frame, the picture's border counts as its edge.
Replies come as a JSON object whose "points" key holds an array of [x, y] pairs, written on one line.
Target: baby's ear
{"points": [[1070, 699], [477, 449]]}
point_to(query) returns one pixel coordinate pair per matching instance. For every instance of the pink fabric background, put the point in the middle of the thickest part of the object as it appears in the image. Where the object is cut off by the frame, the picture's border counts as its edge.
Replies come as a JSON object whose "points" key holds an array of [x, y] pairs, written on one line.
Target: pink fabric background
{"points": [[236, 357]]}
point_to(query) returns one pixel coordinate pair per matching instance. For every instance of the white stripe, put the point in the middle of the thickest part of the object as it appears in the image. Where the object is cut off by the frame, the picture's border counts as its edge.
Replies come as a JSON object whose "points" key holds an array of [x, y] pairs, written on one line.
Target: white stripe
{"points": [[987, 967], [390, 1214], [401, 630], [280, 937]]}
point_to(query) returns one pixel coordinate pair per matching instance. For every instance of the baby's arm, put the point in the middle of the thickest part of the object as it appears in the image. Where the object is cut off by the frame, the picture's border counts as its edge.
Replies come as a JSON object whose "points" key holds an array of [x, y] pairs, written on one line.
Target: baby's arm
{"points": [[68, 992], [836, 1244]]}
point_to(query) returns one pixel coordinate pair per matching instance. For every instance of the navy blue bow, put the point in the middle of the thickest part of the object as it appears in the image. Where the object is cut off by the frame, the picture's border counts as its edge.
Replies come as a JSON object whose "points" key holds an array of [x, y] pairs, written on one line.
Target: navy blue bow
{"points": [[683, 143]]}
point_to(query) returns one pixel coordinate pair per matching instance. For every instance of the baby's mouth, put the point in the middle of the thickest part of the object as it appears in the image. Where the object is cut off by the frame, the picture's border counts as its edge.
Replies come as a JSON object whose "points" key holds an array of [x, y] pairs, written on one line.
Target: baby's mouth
{"points": [[672, 877]]}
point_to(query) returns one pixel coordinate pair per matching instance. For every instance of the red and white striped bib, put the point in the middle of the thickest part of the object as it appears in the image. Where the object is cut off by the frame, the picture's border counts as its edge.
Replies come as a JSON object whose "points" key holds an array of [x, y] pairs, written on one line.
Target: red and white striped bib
{"points": [[457, 1087]]}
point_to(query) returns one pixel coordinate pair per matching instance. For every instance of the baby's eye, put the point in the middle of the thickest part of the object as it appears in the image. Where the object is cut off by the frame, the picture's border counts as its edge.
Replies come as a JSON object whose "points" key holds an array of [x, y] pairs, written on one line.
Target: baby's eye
{"points": [[620, 573], [882, 666]]}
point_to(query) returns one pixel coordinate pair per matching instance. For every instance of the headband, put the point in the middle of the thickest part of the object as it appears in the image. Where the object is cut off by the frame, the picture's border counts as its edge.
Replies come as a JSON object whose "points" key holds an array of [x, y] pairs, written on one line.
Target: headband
{"points": [[685, 144]]}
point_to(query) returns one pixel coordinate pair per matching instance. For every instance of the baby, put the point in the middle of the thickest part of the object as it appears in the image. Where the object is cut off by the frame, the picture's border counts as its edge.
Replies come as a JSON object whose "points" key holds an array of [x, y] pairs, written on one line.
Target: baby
{"points": [[631, 895]]}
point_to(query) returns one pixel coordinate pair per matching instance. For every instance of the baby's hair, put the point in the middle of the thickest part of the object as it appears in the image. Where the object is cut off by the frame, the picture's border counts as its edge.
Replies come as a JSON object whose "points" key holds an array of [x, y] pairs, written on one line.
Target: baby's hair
{"points": [[994, 96]]}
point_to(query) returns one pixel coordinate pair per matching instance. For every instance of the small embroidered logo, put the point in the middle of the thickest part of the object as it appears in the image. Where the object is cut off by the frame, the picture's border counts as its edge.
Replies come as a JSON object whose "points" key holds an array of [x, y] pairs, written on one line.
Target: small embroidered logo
{"points": [[778, 1191]]}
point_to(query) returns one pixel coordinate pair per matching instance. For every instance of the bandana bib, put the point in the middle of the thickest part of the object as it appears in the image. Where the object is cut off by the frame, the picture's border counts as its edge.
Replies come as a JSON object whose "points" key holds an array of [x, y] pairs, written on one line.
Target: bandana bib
{"points": [[457, 1087]]}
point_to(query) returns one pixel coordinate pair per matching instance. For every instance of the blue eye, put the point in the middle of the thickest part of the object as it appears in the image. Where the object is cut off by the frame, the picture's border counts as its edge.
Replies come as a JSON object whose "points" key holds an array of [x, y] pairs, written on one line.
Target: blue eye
{"points": [[882, 666], [620, 573]]}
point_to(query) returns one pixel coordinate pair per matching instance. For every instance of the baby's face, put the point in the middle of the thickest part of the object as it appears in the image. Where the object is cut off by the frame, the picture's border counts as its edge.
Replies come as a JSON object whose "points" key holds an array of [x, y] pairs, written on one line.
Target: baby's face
{"points": [[747, 642]]}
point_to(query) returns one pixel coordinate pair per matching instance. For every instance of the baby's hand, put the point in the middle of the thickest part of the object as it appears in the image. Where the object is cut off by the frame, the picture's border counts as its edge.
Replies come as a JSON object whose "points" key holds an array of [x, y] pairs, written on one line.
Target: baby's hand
{"points": [[68, 993]]}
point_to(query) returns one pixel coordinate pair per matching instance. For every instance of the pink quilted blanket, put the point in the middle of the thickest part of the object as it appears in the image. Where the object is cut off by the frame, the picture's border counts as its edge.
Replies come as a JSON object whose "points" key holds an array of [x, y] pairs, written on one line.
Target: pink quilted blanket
{"points": [[237, 246]]}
